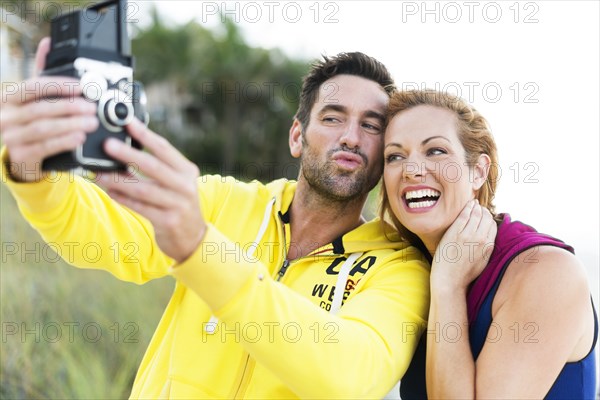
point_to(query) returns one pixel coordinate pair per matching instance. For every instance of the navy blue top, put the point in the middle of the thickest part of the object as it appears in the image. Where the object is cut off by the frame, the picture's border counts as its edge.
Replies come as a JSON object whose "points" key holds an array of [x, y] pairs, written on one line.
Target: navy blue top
{"points": [[577, 380]]}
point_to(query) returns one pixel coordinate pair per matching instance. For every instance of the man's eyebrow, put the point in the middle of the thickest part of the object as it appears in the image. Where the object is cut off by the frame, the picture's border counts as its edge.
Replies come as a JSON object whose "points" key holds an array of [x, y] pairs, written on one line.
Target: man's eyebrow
{"points": [[375, 114], [332, 107], [340, 108]]}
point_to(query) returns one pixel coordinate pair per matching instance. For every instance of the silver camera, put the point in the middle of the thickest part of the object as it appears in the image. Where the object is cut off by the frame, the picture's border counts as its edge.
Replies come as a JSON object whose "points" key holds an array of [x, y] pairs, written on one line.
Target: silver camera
{"points": [[92, 45]]}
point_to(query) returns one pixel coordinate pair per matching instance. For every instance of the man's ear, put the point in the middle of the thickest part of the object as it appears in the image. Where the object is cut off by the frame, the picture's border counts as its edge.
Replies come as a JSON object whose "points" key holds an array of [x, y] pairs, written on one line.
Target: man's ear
{"points": [[295, 139], [481, 171]]}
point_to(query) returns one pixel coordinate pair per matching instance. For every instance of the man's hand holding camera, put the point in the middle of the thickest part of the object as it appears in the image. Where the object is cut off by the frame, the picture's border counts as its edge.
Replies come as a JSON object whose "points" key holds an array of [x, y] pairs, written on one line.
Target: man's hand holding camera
{"points": [[33, 128], [166, 194], [164, 186]]}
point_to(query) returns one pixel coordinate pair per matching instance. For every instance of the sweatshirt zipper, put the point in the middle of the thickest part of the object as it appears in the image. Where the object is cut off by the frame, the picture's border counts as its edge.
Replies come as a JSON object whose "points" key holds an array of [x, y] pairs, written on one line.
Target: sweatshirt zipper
{"points": [[284, 267], [286, 262], [249, 363], [246, 374]]}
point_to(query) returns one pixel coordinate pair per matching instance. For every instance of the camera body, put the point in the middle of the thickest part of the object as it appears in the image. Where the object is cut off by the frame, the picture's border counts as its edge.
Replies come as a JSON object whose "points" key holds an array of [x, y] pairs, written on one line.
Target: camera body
{"points": [[92, 45]]}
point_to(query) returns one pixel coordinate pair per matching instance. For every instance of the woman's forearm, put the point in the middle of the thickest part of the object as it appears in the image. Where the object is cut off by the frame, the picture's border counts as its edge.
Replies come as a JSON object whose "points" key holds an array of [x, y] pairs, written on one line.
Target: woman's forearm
{"points": [[450, 364]]}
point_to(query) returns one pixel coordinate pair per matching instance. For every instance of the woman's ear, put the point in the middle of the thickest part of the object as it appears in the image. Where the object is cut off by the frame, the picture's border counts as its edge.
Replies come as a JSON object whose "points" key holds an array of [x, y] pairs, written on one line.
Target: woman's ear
{"points": [[295, 139], [481, 170]]}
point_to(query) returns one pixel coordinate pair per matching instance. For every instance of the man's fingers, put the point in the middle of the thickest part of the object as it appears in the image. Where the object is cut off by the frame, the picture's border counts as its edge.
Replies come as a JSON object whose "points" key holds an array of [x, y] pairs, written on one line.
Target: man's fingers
{"points": [[39, 88], [40, 56], [139, 190], [41, 150], [41, 130], [161, 148], [39, 110], [45, 129], [146, 163]]}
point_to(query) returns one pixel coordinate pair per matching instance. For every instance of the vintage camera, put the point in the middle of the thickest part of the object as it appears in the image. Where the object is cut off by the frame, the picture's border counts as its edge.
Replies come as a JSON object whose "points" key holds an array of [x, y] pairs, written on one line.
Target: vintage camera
{"points": [[92, 45]]}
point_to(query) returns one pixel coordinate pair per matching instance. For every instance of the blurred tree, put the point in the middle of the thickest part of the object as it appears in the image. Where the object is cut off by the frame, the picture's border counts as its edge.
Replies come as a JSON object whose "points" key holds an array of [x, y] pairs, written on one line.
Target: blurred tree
{"points": [[235, 103]]}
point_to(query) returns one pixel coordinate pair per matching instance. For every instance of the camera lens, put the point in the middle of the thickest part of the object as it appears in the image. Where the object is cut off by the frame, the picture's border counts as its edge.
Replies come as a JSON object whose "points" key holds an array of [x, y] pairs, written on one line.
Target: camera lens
{"points": [[115, 110], [118, 113], [121, 111]]}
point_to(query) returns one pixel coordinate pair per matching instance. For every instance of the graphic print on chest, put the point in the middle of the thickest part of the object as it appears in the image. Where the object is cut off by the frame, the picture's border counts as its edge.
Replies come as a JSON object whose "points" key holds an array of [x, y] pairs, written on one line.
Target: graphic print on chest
{"points": [[323, 292]]}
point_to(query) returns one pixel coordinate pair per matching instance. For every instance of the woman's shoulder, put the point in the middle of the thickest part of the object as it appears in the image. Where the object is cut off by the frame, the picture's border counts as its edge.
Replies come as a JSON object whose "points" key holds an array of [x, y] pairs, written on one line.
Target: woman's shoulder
{"points": [[544, 275], [546, 263], [539, 266]]}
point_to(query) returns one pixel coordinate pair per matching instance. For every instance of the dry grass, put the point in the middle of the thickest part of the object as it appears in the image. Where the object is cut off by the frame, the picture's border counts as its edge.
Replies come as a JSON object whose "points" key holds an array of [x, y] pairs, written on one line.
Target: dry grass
{"points": [[67, 333]]}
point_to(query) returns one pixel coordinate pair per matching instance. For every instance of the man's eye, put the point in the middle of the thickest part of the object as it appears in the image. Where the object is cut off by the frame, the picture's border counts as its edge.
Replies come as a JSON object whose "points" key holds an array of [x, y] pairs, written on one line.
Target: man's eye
{"points": [[371, 128]]}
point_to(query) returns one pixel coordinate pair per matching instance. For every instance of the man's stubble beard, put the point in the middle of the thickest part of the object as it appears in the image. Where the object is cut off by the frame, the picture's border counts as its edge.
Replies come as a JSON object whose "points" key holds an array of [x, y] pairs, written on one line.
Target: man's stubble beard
{"points": [[333, 184]]}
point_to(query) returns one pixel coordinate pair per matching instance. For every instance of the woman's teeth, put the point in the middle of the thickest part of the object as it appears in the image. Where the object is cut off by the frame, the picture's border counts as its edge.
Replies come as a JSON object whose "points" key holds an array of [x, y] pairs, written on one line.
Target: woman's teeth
{"points": [[422, 198]]}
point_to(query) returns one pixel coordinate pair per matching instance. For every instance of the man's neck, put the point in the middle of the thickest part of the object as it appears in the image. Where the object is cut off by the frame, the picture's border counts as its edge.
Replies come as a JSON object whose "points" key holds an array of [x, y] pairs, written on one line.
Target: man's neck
{"points": [[316, 221]]}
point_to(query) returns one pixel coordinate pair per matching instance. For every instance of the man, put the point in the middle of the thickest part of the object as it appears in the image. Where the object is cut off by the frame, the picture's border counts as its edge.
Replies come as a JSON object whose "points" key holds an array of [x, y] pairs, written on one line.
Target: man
{"points": [[262, 270]]}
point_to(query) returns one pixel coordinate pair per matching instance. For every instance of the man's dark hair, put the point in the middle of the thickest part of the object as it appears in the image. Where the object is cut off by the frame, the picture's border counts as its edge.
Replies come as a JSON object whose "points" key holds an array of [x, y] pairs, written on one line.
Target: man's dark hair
{"points": [[354, 63]]}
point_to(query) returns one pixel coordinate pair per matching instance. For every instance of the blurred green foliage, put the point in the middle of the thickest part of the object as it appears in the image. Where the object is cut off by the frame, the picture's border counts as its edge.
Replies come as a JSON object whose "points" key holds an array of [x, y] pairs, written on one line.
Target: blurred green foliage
{"points": [[226, 105]]}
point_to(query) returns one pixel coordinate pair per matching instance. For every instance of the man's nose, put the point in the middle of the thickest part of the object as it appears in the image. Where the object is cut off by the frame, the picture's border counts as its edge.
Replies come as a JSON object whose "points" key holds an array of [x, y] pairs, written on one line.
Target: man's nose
{"points": [[351, 136]]}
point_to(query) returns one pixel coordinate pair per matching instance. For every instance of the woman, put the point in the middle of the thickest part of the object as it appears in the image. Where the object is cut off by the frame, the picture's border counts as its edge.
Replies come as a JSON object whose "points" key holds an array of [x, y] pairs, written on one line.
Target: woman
{"points": [[517, 323]]}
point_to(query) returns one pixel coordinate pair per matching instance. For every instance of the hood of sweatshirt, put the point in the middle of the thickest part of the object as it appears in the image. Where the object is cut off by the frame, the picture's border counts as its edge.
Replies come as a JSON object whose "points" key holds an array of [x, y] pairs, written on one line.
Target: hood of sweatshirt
{"points": [[372, 235]]}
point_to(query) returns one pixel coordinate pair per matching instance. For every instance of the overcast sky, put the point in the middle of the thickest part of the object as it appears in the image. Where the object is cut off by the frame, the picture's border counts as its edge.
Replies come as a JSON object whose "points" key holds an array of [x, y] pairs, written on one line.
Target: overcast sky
{"points": [[532, 68]]}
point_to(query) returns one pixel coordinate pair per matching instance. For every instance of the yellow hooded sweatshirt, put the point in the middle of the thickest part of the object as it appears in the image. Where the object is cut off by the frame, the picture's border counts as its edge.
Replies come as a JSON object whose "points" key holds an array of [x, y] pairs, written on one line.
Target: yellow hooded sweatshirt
{"points": [[283, 335]]}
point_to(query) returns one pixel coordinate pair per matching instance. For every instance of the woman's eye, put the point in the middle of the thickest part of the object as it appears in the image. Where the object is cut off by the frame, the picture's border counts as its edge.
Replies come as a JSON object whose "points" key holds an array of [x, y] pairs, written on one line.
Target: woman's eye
{"points": [[393, 157], [436, 151]]}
